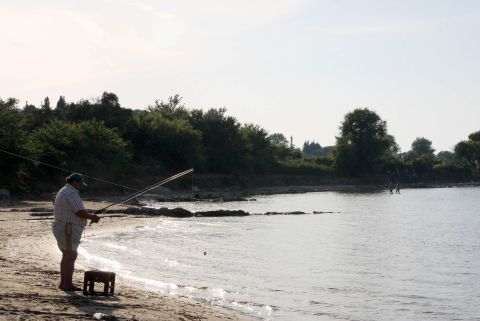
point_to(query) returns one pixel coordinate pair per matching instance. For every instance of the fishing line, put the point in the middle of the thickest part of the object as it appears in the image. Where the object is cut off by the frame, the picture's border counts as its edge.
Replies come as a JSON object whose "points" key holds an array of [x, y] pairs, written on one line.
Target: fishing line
{"points": [[67, 170]]}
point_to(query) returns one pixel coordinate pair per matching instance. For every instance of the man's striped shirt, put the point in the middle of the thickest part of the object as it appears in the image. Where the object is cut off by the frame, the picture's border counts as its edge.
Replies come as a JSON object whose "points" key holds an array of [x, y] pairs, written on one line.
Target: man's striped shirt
{"points": [[67, 203]]}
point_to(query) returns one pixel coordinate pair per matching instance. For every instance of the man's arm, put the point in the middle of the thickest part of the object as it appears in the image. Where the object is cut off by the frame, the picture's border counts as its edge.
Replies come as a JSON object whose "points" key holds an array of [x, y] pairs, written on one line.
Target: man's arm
{"points": [[87, 216]]}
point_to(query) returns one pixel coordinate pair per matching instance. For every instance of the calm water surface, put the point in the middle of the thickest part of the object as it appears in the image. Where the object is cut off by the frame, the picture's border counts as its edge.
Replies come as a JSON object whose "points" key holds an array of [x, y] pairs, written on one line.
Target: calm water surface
{"points": [[413, 256]]}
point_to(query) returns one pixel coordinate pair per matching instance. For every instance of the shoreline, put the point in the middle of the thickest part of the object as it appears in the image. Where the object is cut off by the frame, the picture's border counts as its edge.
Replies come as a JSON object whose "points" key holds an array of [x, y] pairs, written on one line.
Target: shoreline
{"points": [[29, 277], [242, 194]]}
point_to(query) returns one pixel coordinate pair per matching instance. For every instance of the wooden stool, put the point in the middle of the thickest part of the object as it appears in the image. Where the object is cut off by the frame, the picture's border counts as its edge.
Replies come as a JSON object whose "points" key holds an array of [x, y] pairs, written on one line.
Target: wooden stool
{"points": [[107, 278]]}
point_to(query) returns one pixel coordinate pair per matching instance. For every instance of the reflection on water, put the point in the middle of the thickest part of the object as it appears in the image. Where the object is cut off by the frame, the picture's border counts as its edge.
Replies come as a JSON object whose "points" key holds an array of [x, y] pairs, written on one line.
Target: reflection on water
{"points": [[413, 256]]}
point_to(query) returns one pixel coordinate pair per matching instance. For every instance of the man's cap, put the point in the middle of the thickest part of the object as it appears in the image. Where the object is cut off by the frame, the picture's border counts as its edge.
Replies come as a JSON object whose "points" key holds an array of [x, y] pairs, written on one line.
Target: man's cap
{"points": [[77, 177]]}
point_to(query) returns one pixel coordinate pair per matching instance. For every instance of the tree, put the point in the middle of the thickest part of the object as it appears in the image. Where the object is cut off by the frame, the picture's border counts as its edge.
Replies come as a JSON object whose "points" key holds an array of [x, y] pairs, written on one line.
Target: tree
{"points": [[46, 104], [421, 156], [474, 136], [423, 165], [421, 147], [107, 109], [46, 111], [34, 117], [278, 139], [260, 156], [225, 147], [86, 146], [172, 142], [61, 103], [468, 152], [60, 109], [173, 108], [281, 148], [109, 100], [13, 136], [312, 148], [113, 115], [445, 156], [364, 146]]}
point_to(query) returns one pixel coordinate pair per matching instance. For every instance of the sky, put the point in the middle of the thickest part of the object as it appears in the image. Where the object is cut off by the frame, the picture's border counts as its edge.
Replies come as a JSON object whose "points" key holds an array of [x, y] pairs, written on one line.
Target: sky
{"points": [[292, 66]]}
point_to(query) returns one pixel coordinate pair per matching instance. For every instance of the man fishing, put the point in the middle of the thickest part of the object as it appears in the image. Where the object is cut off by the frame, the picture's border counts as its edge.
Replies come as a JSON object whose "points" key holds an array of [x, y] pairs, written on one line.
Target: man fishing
{"points": [[70, 220]]}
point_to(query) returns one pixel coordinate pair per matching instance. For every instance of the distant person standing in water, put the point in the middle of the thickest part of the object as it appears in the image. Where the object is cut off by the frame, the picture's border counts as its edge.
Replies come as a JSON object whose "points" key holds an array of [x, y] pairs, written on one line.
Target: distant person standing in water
{"points": [[70, 220], [398, 188], [390, 186]]}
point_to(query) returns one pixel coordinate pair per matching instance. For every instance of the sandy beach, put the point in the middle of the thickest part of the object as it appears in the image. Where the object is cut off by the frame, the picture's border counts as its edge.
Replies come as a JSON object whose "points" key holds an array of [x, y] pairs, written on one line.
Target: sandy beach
{"points": [[29, 276]]}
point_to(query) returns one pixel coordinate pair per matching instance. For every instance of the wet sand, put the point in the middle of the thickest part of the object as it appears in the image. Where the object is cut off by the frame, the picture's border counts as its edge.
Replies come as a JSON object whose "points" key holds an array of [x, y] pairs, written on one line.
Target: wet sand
{"points": [[29, 277]]}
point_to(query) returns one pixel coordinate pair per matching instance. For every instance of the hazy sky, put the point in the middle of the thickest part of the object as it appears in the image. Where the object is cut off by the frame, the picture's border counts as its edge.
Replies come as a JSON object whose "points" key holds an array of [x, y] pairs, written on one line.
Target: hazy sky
{"points": [[292, 66]]}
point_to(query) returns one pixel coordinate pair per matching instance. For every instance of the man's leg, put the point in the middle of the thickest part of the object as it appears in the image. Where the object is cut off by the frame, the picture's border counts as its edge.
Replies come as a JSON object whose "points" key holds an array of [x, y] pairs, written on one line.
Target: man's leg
{"points": [[62, 270], [69, 257], [68, 261], [58, 230]]}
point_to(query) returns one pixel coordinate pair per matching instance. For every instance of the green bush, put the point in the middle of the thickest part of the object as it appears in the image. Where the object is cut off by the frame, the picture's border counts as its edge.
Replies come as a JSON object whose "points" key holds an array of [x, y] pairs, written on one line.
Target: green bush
{"points": [[86, 147], [172, 142], [450, 171]]}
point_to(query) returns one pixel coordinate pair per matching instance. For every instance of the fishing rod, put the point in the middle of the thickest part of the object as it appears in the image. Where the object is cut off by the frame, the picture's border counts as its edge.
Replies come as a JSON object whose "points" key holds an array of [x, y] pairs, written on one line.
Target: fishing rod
{"points": [[67, 170], [145, 190]]}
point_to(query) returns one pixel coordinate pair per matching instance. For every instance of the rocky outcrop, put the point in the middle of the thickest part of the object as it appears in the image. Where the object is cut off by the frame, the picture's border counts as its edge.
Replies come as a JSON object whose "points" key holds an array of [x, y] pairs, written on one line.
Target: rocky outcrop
{"points": [[176, 212], [221, 213], [180, 212]]}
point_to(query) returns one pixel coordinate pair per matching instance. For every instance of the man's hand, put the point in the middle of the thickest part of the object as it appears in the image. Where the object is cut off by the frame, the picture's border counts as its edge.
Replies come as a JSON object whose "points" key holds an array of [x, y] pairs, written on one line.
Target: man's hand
{"points": [[87, 216], [95, 218]]}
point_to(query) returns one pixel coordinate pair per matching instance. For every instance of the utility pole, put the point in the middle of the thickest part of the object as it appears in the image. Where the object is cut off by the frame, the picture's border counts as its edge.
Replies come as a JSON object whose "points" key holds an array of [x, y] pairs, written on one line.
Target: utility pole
{"points": [[291, 142]]}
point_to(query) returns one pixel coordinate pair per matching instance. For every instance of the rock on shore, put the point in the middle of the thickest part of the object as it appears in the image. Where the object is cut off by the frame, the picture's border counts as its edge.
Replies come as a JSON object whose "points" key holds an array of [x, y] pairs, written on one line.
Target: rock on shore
{"points": [[181, 213]]}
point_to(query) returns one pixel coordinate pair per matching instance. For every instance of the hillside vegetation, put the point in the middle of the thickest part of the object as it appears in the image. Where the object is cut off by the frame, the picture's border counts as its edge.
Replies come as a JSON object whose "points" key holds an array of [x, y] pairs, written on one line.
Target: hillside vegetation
{"points": [[136, 146]]}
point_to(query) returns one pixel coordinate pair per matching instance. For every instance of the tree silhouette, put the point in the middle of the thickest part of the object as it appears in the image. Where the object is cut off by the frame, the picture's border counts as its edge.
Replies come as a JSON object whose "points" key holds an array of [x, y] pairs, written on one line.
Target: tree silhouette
{"points": [[363, 146]]}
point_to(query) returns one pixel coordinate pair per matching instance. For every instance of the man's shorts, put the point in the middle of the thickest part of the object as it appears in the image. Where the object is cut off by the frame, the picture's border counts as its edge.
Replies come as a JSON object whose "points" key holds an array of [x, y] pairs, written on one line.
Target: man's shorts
{"points": [[68, 235]]}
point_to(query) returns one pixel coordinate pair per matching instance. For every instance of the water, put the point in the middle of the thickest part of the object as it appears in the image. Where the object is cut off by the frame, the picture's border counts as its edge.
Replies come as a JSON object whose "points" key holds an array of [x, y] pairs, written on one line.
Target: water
{"points": [[413, 256]]}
